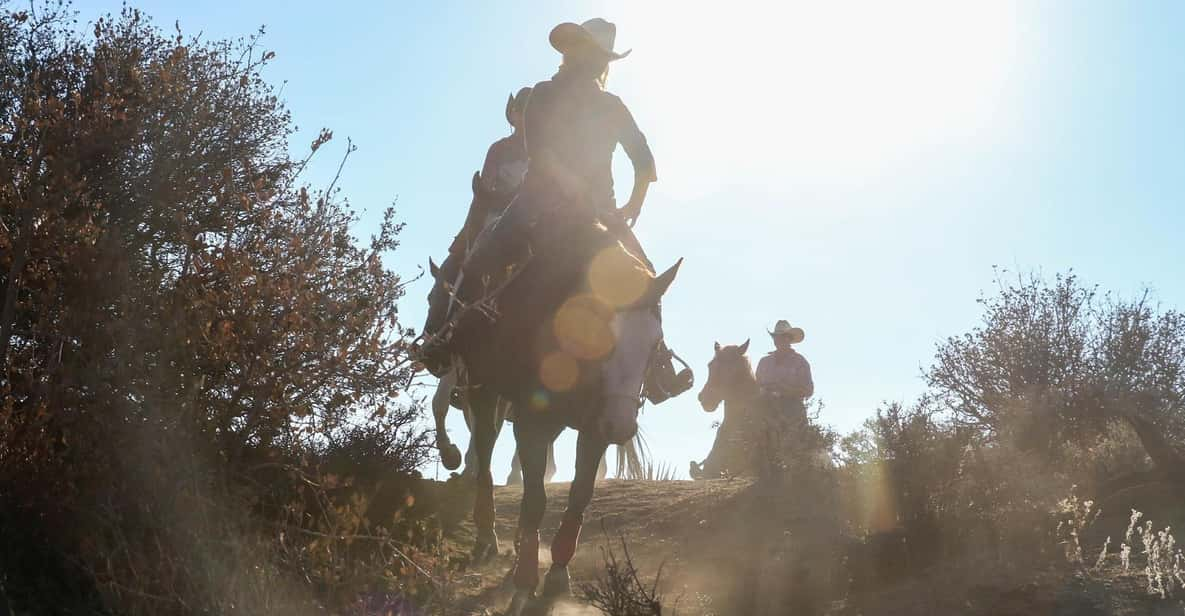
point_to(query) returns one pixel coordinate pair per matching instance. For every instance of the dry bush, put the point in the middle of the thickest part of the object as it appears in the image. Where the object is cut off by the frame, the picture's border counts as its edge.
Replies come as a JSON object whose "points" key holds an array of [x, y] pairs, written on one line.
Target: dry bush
{"points": [[203, 380], [619, 589]]}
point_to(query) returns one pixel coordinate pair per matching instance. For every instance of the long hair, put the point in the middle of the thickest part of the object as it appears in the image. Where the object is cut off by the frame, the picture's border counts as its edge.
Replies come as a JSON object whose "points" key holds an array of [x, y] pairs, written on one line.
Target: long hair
{"points": [[585, 66]]}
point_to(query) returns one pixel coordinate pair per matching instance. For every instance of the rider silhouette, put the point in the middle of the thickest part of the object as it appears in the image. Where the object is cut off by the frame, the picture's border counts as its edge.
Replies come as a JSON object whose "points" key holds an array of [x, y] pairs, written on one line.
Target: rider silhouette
{"points": [[572, 126]]}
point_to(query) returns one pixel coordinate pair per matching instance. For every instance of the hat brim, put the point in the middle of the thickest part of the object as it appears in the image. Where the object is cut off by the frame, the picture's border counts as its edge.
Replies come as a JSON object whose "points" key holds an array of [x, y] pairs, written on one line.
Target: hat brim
{"points": [[795, 335], [569, 37]]}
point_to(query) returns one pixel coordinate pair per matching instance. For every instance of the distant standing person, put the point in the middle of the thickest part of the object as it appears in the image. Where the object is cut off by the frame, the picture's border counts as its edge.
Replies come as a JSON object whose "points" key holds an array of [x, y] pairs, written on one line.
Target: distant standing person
{"points": [[784, 376]]}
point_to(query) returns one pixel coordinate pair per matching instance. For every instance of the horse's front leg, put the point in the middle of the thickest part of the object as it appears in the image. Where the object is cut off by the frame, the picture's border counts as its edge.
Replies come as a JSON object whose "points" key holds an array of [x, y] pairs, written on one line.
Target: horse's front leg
{"points": [[590, 450], [450, 455], [532, 442], [486, 423]]}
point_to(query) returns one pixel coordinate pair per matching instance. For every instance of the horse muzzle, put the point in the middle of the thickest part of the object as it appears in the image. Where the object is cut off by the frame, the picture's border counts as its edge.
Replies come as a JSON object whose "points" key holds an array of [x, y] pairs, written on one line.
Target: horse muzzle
{"points": [[709, 403], [619, 424]]}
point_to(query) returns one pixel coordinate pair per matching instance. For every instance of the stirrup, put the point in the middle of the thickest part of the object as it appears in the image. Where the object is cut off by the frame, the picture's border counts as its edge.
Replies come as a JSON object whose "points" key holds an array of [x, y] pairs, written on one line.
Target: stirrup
{"points": [[662, 382]]}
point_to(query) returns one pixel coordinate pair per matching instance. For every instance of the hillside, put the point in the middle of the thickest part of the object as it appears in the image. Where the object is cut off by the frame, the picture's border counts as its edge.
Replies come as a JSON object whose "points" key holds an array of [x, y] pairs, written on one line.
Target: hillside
{"points": [[698, 533]]}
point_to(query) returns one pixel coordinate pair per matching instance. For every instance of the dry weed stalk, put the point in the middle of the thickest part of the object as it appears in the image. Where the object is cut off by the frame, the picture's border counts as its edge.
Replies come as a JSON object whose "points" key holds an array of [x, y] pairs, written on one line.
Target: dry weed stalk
{"points": [[1164, 562], [620, 591], [1076, 515]]}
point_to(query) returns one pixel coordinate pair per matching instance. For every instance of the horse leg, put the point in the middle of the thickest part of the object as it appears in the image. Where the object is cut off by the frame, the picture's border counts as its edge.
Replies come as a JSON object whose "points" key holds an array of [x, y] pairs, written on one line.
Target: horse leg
{"points": [[531, 443], [516, 472], [602, 468], [590, 452], [549, 473], [471, 450], [450, 456], [485, 432]]}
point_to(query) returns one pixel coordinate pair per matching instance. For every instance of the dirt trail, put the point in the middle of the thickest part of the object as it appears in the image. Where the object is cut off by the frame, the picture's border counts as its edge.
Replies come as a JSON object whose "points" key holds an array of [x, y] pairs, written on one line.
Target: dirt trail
{"points": [[694, 530], [664, 523]]}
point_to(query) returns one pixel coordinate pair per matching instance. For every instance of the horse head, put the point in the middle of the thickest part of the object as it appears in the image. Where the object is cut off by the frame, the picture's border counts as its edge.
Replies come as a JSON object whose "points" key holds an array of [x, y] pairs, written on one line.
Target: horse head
{"points": [[446, 278], [637, 331], [433, 356], [728, 372]]}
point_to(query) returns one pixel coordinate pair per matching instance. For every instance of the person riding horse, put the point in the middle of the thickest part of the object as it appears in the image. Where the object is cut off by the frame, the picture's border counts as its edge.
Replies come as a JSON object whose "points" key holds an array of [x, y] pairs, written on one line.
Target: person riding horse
{"points": [[572, 126], [545, 334], [494, 187], [784, 376]]}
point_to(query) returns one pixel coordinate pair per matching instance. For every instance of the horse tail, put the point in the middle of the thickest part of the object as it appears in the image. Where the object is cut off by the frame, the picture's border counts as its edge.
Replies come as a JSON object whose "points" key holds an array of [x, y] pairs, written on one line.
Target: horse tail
{"points": [[634, 458]]}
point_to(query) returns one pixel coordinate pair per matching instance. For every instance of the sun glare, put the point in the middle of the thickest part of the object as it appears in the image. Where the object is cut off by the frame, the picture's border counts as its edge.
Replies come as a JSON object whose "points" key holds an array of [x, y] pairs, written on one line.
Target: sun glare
{"points": [[832, 88]]}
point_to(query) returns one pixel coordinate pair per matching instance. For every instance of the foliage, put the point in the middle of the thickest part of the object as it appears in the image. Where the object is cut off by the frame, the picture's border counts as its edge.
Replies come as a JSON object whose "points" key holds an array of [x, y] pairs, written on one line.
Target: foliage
{"points": [[1056, 363], [1060, 384], [189, 339]]}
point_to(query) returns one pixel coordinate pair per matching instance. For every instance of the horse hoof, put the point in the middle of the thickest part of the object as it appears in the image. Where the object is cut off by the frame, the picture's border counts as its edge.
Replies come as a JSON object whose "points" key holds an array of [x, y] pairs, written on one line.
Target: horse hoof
{"points": [[557, 583], [450, 456]]}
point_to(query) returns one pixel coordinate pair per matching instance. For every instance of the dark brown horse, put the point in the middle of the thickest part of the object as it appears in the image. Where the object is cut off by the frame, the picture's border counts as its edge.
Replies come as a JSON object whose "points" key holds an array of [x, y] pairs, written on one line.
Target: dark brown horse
{"points": [[485, 411], [567, 339], [730, 380]]}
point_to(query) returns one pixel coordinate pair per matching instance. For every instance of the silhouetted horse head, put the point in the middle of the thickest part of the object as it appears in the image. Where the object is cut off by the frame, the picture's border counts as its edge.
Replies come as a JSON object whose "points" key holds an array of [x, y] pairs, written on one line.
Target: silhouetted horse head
{"points": [[728, 373], [636, 331], [445, 281]]}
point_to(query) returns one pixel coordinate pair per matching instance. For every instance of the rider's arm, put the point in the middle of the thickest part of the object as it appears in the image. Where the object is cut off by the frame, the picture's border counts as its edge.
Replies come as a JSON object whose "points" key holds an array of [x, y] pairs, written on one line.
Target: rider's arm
{"points": [[808, 384], [489, 170], [634, 143]]}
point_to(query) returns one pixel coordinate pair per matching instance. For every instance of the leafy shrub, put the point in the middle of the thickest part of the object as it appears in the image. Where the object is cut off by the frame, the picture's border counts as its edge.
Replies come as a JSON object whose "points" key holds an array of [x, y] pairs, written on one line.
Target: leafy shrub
{"points": [[192, 345]]}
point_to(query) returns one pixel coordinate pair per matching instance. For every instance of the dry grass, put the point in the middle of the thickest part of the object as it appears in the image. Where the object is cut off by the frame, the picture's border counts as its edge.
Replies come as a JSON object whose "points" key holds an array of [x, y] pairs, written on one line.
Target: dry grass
{"points": [[619, 590]]}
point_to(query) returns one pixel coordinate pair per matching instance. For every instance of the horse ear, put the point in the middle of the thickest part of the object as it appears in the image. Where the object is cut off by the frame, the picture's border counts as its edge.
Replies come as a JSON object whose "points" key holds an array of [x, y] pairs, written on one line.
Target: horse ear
{"points": [[663, 281], [744, 348], [476, 184], [433, 268], [717, 347]]}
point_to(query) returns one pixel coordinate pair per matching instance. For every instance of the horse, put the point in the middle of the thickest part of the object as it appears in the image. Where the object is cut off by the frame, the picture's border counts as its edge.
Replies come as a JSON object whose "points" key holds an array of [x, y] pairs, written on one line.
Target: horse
{"points": [[730, 380], [484, 414], [567, 337]]}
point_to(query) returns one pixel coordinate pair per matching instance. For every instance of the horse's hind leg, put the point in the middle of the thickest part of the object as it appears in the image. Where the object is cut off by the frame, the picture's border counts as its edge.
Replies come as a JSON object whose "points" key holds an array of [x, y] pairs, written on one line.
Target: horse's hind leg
{"points": [[590, 450], [450, 455], [486, 425], [532, 442], [550, 472]]}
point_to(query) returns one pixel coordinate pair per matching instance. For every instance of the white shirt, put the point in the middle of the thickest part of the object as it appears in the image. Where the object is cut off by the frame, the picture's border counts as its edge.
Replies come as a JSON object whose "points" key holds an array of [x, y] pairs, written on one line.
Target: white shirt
{"points": [[785, 371]]}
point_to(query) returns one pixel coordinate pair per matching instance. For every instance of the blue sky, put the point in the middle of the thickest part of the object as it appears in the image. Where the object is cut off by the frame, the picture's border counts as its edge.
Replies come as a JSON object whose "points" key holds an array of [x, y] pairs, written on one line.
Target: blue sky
{"points": [[855, 168]]}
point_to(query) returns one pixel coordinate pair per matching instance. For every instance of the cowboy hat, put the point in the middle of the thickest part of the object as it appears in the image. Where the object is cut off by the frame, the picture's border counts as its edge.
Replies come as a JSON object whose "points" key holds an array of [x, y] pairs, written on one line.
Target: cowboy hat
{"points": [[517, 102], [783, 328], [595, 33]]}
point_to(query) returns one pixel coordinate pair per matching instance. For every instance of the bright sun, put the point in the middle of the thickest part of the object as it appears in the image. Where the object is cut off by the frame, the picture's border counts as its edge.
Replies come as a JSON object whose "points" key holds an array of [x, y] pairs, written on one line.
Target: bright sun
{"points": [[832, 88]]}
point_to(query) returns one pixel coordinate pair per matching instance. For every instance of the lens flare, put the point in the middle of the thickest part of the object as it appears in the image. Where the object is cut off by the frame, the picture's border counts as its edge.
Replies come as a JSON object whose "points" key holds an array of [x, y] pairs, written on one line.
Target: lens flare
{"points": [[559, 372], [583, 328], [539, 400], [617, 278]]}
